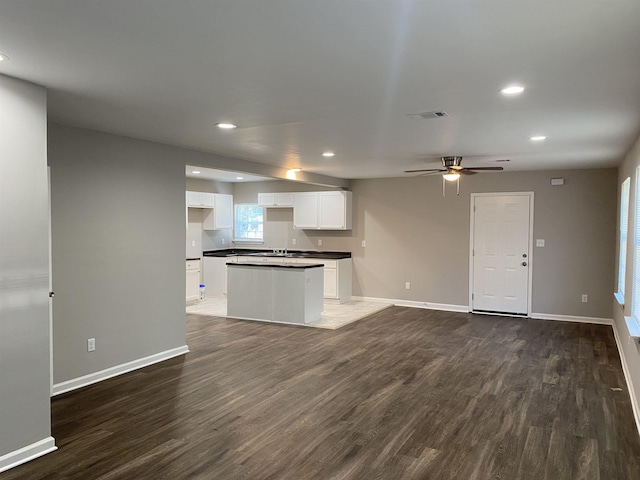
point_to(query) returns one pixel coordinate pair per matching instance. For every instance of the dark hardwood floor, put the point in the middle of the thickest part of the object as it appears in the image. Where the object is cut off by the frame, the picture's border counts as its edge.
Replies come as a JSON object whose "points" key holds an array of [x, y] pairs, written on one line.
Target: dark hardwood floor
{"points": [[404, 394]]}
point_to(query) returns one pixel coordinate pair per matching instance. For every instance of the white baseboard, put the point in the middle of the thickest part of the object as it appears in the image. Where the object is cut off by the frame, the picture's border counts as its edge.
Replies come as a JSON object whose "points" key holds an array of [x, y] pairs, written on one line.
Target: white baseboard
{"points": [[465, 309], [25, 454], [96, 377], [635, 405], [415, 304], [572, 318]]}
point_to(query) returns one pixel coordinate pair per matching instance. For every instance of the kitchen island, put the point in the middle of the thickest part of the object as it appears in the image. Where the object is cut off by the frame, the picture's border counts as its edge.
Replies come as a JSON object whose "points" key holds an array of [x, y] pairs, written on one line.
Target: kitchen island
{"points": [[275, 292]]}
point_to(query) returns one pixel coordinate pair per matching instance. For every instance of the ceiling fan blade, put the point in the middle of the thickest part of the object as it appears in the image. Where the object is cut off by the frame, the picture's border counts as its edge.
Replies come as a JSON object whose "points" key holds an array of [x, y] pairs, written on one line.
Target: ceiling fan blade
{"points": [[483, 168], [432, 170], [466, 171]]}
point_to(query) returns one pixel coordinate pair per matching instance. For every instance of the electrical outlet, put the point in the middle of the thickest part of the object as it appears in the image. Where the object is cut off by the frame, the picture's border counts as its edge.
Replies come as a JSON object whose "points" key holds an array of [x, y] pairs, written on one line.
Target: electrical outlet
{"points": [[540, 242], [222, 241], [193, 243], [407, 285], [585, 298], [293, 241], [319, 242], [91, 344], [364, 243]]}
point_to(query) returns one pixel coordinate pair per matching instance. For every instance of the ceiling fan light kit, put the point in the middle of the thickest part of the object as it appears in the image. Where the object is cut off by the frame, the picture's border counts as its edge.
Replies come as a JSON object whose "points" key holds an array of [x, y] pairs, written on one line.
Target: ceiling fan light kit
{"points": [[451, 176], [452, 169]]}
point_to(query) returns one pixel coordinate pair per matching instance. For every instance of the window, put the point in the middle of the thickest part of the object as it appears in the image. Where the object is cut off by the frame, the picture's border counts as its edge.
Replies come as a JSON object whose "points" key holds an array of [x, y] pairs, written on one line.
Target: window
{"points": [[633, 322], [635, 287], [248, 222], [624, 229]]}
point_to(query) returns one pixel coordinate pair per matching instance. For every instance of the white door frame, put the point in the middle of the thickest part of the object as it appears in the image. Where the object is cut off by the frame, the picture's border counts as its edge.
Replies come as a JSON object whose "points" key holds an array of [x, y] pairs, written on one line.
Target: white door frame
{"points": [[529, 253]]}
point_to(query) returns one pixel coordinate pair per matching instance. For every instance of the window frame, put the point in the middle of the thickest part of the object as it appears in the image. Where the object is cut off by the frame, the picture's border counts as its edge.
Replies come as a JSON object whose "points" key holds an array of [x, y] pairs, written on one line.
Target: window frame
{"points": [[635, 284], [236, 231], [623, 229]]}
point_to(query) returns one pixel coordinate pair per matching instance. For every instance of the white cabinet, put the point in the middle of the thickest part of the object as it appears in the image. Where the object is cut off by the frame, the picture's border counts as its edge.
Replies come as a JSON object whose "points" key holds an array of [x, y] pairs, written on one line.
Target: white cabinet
{"points": [[200, 199], [329, 210], [330, 282], [337, 277], [214, 275], [221, 215], [193, 280], [275, 200]]}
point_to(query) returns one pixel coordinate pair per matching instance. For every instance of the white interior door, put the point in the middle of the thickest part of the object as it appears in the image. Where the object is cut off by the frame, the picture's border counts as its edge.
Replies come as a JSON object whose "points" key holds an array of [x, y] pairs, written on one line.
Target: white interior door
{"points": [[500, 270]]}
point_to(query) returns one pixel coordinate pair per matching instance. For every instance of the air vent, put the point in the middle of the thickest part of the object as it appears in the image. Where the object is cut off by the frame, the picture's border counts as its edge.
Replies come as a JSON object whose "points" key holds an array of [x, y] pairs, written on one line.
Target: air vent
{"points": [[427, 115]]}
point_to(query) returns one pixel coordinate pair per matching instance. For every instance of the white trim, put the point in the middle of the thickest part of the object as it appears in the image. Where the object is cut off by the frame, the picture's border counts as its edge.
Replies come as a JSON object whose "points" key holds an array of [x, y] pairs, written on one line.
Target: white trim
{"points": [[572, 318], [415, 304], [28, 453], [472, 218], [635, 406], [50, 281], [96, 377], [633, 327]]}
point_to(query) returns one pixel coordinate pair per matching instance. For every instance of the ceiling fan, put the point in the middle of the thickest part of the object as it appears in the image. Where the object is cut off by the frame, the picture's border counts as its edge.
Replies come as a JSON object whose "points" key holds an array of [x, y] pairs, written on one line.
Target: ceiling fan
{"points": [[452, 169]]}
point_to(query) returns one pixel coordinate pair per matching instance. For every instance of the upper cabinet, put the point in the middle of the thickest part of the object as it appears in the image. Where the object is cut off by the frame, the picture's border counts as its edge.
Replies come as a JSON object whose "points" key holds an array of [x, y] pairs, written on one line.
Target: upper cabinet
{"points": [[329, 210], [275, 200], [218, 209], [200, 199], [221, 217]]}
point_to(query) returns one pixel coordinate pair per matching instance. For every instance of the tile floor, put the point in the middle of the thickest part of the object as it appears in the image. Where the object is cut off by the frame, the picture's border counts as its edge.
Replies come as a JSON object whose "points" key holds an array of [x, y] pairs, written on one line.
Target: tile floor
{"points": [[334, 316]]}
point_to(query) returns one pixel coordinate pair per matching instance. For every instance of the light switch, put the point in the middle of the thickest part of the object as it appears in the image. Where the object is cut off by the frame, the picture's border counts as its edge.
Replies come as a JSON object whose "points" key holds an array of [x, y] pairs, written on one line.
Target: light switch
{"points": [[364, 243], [540, 242]]}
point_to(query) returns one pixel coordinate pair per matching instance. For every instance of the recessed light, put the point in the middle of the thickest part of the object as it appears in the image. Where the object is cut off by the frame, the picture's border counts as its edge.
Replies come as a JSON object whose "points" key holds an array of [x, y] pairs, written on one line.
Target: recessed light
{"points": [[227, 126], [328, 154], [537, 138], [512, 90], [239, 178], [195, 172]]}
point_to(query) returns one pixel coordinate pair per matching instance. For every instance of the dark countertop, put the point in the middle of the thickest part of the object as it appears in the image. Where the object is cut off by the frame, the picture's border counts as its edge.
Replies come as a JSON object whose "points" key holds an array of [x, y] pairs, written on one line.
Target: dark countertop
{"points": [[233, 252], [191, 259], [277, 265]]}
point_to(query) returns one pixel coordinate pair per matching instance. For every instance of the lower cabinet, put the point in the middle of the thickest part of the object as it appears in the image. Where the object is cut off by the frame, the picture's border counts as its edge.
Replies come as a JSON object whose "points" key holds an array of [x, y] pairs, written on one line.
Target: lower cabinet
{"points": [[214, 275], [193, 280], [337, 274], [337, 277]]}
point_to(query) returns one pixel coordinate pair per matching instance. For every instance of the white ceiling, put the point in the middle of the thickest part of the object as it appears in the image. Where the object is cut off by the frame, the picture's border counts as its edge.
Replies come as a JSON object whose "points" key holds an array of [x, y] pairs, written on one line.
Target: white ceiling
{"points": [[303, 76]]}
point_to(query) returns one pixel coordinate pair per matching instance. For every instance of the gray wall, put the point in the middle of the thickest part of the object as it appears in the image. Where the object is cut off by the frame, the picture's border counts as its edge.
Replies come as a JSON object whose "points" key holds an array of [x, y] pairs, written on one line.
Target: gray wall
{"points": [[576, 220], [414, 234], [24, 267], [118, 233], [630, 349]]}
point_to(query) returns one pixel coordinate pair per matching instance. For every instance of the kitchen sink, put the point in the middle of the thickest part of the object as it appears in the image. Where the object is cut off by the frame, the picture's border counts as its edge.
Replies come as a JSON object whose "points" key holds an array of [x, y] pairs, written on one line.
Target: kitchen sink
{"points": [[271, 254]]}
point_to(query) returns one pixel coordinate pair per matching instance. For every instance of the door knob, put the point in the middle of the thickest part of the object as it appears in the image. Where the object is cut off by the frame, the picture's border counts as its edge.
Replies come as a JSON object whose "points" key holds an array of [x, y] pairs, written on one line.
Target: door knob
{"points": [[524, 264], [524, 255]]}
